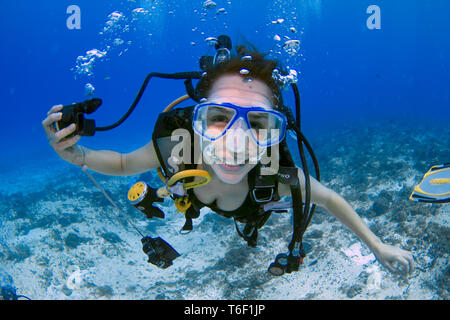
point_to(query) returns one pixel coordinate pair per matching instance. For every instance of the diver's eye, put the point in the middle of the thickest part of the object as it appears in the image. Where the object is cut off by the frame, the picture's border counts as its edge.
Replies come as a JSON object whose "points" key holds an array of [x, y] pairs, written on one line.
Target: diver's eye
{"points": [[219, 118], [257, 125]]}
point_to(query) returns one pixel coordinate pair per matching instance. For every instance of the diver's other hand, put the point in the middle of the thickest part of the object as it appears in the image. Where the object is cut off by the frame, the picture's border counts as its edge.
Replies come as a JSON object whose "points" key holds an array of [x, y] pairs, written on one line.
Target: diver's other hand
{"points": [[395, 259], [65, 148]]}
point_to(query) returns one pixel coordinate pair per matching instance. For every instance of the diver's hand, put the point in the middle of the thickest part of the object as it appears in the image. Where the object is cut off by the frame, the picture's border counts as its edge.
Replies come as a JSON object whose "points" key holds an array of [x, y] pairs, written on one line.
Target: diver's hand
{"points": [[394, 259], [65, 148]]}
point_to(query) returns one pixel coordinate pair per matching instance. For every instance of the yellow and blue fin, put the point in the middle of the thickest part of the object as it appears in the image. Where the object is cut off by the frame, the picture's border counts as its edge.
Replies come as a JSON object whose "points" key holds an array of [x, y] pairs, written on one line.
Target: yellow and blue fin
{"points": [[434, 187]]}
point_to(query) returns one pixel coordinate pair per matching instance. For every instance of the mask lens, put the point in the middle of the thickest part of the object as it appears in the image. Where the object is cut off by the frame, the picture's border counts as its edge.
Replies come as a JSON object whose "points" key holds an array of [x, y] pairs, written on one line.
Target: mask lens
{"points": [[267, 127], [211, 121]]}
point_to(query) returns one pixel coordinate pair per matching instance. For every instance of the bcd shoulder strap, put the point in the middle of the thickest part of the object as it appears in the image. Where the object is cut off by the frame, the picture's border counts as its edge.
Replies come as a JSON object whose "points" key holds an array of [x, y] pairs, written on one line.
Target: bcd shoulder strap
{"points": [[163, 142], [264, 193], [164, 130]]}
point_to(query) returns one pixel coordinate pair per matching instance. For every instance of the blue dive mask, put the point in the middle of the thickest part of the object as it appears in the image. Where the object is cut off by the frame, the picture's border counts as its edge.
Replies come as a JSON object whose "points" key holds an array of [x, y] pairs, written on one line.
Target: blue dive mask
{"points": [[212, 120]]}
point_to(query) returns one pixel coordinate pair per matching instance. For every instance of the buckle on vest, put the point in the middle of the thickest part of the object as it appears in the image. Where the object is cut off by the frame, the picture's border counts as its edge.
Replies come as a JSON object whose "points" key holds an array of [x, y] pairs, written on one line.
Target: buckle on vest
{"points": [[263, 194]]}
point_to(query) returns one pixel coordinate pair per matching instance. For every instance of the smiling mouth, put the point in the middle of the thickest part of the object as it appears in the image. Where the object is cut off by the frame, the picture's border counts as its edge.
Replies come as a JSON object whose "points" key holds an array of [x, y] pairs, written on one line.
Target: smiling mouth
{"points": [[228, 167]]}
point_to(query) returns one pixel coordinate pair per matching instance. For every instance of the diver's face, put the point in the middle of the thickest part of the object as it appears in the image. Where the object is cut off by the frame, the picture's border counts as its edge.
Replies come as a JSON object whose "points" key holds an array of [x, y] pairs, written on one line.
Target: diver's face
{"points": [[236, 143]]}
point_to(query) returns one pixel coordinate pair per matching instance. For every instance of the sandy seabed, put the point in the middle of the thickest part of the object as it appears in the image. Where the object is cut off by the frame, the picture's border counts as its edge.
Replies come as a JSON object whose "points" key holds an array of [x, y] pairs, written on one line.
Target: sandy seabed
{"points": [[65, 241]]}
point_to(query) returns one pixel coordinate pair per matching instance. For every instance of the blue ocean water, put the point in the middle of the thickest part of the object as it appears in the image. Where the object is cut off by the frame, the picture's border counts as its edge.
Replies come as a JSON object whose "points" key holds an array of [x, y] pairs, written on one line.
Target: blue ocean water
{"points": [[375, 103]]}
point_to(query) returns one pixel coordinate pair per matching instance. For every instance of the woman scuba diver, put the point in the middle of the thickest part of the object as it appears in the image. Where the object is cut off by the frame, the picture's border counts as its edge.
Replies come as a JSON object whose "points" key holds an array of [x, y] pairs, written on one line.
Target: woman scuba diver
{"points": [[239, 118]]}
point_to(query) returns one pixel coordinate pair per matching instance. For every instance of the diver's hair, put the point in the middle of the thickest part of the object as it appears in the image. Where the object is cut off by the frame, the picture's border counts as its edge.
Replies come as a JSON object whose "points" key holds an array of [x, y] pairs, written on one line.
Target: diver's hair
{"points": [[258, 67]]}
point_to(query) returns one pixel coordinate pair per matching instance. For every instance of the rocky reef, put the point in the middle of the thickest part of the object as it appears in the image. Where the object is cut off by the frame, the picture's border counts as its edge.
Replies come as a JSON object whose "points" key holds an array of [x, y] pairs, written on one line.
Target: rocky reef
{"points": [[66, 241]]}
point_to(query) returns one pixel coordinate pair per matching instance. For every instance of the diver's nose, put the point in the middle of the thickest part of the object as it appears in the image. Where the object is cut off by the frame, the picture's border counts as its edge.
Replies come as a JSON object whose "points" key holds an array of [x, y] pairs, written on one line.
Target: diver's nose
{"points": [[237, 137]]}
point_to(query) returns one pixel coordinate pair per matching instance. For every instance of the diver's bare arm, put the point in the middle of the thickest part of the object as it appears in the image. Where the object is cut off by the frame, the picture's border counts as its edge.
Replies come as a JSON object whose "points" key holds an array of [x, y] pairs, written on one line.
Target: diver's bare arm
{"points": [[336, 205], [342, 210], [121, 164], [320, 194]]}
